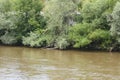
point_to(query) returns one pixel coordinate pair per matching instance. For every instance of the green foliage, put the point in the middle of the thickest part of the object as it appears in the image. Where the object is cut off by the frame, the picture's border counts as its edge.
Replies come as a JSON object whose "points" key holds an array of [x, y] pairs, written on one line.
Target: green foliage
{"points": [[60, 23], [8, 38], [99, 34], [30, 17], [34, 39], [62, 43], [115, 22], [79, 34], [93, 10], [101, 38], [19, 21], [8, 26], [93, 31], [31, 20], [58, 15], [5, 6], [8, 20]]}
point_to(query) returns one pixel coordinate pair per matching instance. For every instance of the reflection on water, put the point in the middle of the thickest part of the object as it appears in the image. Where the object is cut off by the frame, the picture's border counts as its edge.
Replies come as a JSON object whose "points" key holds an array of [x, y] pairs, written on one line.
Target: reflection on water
{"points": [[43, 64]]}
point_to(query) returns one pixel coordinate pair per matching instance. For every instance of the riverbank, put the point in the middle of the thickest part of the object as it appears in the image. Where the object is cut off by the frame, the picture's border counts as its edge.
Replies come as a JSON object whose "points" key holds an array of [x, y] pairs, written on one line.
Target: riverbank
{"points": [[76, 49]]}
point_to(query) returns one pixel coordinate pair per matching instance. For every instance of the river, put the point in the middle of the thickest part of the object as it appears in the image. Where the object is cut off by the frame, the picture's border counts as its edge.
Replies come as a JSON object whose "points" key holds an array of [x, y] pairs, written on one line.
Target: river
{"points": [[20, 63]]}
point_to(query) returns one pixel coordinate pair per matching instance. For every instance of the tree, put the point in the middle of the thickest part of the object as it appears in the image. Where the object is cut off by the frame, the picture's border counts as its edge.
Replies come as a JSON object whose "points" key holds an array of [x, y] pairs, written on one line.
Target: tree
{"points": [[32, 22], [115, 23], [19, 21], [93, 30], [30, 16], [59, 17], [8, 21], [8, 26]]}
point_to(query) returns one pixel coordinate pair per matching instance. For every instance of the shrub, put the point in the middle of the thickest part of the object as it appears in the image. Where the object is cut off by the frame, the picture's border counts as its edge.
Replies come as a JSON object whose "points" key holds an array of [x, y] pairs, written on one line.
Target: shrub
{"points": [[62, 43], [8, 38], [78, 34], [34, 40]]}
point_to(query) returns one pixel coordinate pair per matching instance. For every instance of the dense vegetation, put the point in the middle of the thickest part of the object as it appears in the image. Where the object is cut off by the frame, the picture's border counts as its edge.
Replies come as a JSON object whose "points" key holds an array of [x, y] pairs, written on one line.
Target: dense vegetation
{"points": [[62, 24]]}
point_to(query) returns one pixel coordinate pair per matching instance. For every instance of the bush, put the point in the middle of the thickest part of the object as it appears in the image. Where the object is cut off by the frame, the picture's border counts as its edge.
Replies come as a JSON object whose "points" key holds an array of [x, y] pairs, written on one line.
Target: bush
{"points": [[34, 39], [62, 43], [8, 26], [78, 34], [115, 24], [101, 39], [8, 38], [99, 34]]}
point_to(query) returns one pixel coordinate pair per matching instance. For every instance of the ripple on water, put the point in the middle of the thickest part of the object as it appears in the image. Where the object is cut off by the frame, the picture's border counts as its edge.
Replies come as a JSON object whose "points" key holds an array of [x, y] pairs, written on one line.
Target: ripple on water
{"points": [[36, 64]]}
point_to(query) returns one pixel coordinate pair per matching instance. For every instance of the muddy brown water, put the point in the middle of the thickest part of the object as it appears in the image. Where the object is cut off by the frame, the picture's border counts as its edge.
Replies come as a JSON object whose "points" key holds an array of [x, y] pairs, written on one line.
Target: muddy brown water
{"points": [[19, 63]]}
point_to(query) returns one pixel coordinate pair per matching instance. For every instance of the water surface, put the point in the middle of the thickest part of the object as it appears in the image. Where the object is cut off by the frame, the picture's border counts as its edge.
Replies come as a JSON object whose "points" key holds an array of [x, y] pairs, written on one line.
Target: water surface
{"points": [[18, 63]]}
